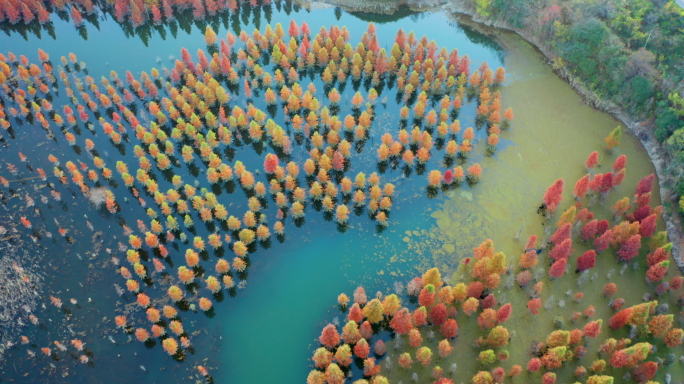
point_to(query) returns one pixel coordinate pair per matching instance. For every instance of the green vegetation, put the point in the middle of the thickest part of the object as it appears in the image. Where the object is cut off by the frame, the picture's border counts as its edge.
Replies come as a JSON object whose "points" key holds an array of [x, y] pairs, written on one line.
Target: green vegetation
{"points": [[627, 52]]}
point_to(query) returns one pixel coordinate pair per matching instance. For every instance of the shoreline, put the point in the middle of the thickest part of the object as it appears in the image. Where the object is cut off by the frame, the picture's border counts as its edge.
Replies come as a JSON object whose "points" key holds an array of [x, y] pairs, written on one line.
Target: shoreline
{"points": [[654, 150]]}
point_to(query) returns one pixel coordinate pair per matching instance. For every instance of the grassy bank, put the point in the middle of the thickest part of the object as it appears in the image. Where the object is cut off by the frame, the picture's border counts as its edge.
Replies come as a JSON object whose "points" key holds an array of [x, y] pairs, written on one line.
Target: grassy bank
{"points": [[627, 54]]}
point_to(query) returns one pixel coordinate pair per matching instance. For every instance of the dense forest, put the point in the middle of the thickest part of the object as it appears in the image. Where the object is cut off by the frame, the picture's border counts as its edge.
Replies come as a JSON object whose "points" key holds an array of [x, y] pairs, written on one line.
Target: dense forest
{"points": [[626, 52]]}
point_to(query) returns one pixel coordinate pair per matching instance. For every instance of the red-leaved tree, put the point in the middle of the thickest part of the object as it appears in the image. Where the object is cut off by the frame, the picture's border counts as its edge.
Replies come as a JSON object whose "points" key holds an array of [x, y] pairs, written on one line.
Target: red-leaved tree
{"points": [[589, 230], [329, 337], [401, 322], [563, 232], [504, 313], [586, 261], [630, 248], [554, 195], [620, 319], [581, 187], [562, 250], [558, 268]]}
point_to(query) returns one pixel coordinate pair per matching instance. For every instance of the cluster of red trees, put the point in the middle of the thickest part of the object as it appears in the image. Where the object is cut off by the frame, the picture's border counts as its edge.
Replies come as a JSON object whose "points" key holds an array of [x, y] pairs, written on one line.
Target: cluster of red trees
{"points": [[625, 238]]}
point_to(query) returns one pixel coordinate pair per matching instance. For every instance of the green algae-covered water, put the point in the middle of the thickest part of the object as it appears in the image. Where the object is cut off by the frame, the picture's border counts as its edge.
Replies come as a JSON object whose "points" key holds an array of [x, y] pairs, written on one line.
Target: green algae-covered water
{"points": [[268, 331]]}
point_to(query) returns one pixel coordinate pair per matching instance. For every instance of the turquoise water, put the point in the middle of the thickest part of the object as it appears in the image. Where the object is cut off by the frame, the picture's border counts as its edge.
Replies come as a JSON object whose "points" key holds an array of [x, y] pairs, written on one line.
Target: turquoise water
{"points": [[268, 331]]}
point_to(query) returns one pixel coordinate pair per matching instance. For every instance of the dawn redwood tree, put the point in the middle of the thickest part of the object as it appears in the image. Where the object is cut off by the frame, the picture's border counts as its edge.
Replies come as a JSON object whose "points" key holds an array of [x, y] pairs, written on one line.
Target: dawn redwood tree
{"points": [[475, 289], [554, 357], [401, 322], [470, 305], [343, 355], [641, 213], [645, 185], [630, 248], [589, 230], [558, 338], [449, 328], [531, 243], [373, 311], [334, 375], [563, 232], [379, 348], [657, 272], [427, 296], [420, 317], [270, 163], [595, 184], [645, 371], [504, 313], [600, 379], [586, 261], [424, 355], [415, 338], [630, 357], [648, 226], [643, 199], [355, 313], [549, 378], [498, 337], [606, 183], [554, 195], [558, 268], [329, 337], [619, 163], [592, 160], [562, 250], [568, 216], [366, 330], [534, 365], [660, 325], [529, 259], [489, 301], [524, 277], [293, 30], [592, 328], [487, 319], [609, 289], [515, 370], [405, 360], [445, 348], [534, 305], [350, 332], [438, 314], [362, 349], [674, 337], [613, 139], [581, 187], [322, 358], [432, 276], [621, 206], [603, 242], [620, 319]]}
